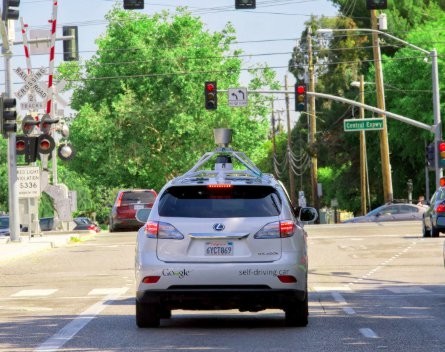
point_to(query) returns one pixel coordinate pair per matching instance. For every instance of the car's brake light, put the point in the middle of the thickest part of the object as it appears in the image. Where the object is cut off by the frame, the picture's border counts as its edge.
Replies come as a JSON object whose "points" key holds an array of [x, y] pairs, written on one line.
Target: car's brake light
{"points": [[287, 279], [162, 230], [119, 199], [220, 185], [440, 208], [150, 279], [287, 228], [278, 229]]}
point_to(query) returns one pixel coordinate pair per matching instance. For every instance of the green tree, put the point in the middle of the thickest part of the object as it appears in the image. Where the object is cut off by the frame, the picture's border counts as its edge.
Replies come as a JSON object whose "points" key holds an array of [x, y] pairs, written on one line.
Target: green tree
{"points": [[141, 118]]}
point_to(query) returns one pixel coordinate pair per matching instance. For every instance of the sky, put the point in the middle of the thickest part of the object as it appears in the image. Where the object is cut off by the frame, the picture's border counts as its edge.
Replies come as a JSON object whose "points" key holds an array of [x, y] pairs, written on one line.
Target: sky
{"points": [[267, 33]]}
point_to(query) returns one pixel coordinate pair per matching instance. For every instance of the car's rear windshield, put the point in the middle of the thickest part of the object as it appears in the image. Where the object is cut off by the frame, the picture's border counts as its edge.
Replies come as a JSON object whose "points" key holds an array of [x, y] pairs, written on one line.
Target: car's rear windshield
{"points": [[138, 197], [208, 202]]}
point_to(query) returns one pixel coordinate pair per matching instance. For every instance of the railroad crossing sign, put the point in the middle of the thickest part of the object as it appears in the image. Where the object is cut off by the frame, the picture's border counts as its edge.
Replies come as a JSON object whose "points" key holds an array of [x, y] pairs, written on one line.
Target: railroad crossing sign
{"points": [[237, 96], [31, 83], [353, 125]]}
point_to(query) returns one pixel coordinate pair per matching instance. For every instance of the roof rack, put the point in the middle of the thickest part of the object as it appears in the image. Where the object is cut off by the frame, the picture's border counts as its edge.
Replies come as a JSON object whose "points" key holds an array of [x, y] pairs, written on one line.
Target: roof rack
{"points": [[196, 173]]}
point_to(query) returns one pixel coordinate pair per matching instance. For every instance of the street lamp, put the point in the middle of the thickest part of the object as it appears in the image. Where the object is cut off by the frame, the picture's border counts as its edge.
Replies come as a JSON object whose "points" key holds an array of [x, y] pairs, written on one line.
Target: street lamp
{"points": [[435, 85]]}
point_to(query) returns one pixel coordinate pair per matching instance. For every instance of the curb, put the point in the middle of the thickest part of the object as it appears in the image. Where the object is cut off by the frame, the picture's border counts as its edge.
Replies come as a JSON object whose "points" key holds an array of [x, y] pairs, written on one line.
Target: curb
{"points": [[27, 246]]}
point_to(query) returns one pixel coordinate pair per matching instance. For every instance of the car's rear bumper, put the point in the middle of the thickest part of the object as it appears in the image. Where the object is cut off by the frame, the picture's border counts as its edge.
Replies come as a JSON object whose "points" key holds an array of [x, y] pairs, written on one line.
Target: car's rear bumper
{"points": [[244, 297]]}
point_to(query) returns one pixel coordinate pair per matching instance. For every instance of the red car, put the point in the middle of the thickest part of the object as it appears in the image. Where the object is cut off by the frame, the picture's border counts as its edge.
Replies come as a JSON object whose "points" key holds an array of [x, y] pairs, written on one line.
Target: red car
{"points": [[127, 202]]}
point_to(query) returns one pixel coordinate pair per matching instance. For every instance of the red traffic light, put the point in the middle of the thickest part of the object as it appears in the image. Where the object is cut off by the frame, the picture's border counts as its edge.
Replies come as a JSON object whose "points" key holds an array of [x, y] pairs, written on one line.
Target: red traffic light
{"points": [[211, 95], [300, 97]]}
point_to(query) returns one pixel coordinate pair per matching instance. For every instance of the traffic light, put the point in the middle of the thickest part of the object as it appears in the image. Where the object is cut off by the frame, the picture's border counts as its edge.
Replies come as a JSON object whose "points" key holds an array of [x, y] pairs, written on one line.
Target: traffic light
{"points": [[430, 155], [245, 4], [46, 122], [376, 4], [10, 10], [70, 46], [28, 124], [133, 4], [300, 97], [8, 115], [441, 153], [211, 95], [26, 146]]}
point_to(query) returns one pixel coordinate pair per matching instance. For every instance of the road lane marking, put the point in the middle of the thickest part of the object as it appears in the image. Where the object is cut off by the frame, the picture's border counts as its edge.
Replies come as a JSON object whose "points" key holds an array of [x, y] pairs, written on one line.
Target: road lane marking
{"points": [[368, 333], [34, 293], [104, 291], [72, 328], [341, 300]]}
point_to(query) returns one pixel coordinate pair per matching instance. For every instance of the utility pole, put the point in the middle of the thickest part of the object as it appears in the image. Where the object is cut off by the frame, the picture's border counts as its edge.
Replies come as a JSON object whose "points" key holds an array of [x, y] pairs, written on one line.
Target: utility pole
{"points": [[363, 159], [312, 124], [289, 146], [274, 148], [384, 145]]}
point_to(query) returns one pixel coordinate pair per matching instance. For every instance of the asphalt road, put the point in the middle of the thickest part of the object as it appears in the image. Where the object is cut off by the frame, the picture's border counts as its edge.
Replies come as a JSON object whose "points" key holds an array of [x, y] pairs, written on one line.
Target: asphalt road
{"points": [[372, 288]]}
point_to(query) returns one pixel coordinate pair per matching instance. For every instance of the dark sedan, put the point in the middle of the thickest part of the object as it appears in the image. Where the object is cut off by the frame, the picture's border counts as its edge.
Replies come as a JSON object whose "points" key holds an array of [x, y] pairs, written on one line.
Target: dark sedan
{"points": [[434, 217], [392, 212]]}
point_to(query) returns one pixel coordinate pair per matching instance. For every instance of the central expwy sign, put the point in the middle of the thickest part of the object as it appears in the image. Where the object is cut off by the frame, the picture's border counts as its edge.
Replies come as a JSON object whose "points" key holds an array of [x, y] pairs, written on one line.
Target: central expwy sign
{"points": [[352, 125]]}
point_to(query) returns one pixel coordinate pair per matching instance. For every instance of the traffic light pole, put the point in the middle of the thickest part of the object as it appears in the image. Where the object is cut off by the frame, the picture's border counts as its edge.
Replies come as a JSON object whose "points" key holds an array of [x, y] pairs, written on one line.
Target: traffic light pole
{"points": [[14, 225]]}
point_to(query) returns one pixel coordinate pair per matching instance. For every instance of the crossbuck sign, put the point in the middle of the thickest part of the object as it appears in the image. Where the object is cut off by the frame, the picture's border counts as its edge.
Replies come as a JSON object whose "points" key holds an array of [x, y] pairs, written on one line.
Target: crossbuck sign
{"points": [[31, 83]]}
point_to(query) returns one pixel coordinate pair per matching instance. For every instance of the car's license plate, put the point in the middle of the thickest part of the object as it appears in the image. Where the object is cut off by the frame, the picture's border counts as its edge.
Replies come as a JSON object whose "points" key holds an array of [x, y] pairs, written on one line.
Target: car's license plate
{"points": [[219, 248], [138, 206]]}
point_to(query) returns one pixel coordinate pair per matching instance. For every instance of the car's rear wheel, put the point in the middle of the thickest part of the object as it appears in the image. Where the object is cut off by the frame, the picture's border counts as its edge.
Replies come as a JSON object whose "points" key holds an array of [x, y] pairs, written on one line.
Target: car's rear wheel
{"points": [[147, 315], [434, 231], [297, 313], [425, 231]]}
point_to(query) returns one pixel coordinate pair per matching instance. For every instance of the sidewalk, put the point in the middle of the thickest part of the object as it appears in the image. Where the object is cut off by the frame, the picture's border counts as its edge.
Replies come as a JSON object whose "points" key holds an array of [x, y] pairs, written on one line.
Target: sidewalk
{"points": [[11, 250]]}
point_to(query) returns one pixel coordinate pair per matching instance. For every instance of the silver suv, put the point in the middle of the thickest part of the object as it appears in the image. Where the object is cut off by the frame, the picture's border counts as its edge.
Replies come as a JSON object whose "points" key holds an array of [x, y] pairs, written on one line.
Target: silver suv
{"points": [[222, 237]]}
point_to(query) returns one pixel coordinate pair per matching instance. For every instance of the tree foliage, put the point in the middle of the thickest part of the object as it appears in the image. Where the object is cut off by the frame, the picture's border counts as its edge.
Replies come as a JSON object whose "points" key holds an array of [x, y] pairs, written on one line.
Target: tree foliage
{"points": [[141, 117], [340, 59]]}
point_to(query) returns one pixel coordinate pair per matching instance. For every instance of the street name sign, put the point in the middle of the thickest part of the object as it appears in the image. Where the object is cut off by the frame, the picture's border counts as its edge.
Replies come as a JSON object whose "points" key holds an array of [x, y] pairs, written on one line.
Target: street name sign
{"points": [[372, 124]]}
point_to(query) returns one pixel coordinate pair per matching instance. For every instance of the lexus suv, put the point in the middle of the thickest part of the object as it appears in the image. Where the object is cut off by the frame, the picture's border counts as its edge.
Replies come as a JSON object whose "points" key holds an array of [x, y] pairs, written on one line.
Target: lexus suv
{"points": [[222, 236]]}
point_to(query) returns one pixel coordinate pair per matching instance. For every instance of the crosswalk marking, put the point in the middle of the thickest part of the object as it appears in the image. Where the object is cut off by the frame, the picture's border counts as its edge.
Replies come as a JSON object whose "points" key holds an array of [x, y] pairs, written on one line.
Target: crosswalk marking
{"points": [[35, 292]]}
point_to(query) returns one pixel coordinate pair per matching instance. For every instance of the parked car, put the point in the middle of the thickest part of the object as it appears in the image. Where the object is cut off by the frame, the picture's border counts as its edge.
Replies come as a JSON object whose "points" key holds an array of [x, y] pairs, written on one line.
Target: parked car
{"points": [[46, 224], [433, 221], [127, 202], [84, 223], [4, 225], [222, 238], [391, 212]]}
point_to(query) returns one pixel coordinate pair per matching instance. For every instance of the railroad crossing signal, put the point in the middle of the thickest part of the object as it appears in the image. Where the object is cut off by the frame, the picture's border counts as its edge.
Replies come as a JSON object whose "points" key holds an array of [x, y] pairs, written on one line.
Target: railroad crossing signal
{"points": [[28, 125]]}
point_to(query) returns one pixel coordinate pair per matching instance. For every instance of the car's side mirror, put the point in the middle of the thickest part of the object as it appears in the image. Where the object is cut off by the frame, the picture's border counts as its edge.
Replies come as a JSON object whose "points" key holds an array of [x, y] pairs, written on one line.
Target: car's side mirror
{"points": [[308, 214], [142, 215]]}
